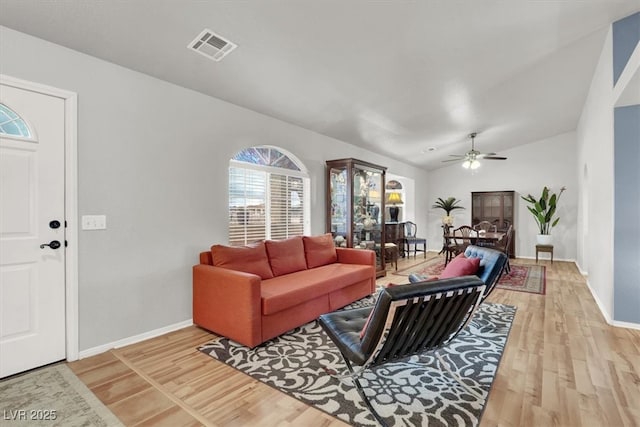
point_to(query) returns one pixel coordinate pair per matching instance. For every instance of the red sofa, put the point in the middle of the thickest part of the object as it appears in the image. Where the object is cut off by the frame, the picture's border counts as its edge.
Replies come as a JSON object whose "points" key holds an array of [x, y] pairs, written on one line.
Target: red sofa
{"points": [[251, 294]]}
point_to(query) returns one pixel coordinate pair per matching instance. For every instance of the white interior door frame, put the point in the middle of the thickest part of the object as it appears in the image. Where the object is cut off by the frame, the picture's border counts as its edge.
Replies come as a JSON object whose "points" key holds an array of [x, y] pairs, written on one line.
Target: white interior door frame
{"points": [[71, 203]]}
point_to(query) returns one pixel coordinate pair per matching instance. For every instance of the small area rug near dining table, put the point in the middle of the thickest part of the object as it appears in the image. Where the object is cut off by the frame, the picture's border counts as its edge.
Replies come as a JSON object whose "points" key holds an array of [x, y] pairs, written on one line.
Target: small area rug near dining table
{"points": [[414, 392], [523, 278]]}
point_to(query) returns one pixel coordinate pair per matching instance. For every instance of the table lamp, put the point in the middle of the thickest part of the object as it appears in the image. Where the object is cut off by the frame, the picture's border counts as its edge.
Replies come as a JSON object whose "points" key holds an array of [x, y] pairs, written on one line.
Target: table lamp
{"points": [[394, 199]]}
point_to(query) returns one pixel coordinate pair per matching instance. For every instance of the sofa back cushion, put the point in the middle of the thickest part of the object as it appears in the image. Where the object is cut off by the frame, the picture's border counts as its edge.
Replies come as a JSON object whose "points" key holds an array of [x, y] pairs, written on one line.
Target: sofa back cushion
{"points": [[250, 259], [319, 250], [206, 258], [286, 256]]}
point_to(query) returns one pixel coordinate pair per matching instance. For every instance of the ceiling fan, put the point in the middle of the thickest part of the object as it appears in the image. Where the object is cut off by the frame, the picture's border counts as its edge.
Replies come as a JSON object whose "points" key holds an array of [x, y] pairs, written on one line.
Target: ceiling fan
{"points": [[470, 159]]}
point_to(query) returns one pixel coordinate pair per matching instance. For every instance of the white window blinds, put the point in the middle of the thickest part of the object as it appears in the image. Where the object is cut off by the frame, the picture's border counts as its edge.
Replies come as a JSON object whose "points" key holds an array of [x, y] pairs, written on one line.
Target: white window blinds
{"points": [[285, 207], [264, 205], [247, 201]]}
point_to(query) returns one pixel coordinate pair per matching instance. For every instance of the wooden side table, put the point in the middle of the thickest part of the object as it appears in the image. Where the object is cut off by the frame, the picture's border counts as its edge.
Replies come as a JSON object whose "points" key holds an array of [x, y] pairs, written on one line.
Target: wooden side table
{"points": [[392, 250], [544, 248]]}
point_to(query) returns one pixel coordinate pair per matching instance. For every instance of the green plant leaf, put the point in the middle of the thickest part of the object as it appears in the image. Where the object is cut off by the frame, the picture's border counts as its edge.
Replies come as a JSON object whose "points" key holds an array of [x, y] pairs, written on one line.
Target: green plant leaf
{"points": [[447, 205], [542, 203], [549, 214], [539, 208], [555, 222], [545, 193]]}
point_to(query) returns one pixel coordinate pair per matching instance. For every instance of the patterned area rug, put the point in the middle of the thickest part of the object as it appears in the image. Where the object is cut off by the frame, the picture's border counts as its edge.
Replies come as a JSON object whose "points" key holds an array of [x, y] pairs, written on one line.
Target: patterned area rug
{"points": [[51, 396], [415, 392], [523, 278]]}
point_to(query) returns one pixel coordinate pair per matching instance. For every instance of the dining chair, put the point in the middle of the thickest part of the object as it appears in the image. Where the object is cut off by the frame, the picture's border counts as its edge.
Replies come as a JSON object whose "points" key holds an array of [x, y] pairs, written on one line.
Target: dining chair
{"points": [[410, 238], [485, 226], [458, 241], [504, 244]]}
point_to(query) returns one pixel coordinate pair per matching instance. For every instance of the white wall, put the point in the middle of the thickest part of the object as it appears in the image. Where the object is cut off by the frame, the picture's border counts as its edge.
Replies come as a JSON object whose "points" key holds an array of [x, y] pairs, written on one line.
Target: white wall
{"points": [[529, 168], [153, 157], [596, 163]]}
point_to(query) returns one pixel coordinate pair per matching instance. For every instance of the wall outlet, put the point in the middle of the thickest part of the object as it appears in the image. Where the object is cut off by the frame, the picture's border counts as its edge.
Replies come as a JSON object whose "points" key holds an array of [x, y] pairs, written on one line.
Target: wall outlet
{"points": [[94, 222]]}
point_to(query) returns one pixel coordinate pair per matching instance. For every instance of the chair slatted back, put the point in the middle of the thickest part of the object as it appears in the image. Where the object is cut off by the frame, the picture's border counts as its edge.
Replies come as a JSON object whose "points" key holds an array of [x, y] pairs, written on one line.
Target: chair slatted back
{"points": [[416, 318], [504, 244], [410, 229], [461, 234]]}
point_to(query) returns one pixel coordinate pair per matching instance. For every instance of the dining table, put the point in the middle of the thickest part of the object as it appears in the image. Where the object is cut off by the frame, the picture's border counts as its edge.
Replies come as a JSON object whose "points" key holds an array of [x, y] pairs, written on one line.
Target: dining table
{"points": [[490, 237]]}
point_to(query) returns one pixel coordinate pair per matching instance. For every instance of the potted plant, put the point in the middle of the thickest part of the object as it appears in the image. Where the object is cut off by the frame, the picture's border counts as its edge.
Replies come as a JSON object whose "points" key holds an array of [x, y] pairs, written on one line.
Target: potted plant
{"points": [[447, 205], [543, 211]]}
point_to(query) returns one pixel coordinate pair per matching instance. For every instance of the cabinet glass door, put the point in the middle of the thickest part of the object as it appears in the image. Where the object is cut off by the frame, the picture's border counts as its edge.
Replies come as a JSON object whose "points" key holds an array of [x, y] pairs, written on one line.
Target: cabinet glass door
{"points": [[339, 205], [355, 206], [367, 210]]}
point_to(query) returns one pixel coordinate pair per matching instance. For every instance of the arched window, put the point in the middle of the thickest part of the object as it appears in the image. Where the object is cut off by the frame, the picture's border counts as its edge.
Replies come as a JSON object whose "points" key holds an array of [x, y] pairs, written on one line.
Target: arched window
{"points": [[12, 124], [393, 185], [396, 199], [268, 196]]}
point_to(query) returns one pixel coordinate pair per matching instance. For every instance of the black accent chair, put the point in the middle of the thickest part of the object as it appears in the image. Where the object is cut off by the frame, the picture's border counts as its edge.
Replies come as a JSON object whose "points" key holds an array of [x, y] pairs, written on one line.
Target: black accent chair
{"points": [[406, 320], [492, 264]]}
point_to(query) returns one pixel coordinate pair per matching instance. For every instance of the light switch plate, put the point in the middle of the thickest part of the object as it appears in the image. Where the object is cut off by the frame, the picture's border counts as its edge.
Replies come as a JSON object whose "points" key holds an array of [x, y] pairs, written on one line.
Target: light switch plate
{"points": [[94, 222]]}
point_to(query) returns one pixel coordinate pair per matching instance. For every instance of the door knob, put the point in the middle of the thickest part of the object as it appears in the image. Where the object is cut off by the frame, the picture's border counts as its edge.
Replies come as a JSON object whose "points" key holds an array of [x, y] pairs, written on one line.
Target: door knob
{"points": [[54, 244], [54, 224]]}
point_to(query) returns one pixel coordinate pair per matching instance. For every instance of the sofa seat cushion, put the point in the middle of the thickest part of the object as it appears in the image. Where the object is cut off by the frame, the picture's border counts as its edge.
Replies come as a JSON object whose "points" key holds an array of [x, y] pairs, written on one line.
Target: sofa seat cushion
{"points": [[291, 289]]}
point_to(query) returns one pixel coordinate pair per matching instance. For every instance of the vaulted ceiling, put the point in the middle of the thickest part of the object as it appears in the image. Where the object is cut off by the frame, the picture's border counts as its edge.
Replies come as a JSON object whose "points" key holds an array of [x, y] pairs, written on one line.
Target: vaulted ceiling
{"points": [[407, 79]]}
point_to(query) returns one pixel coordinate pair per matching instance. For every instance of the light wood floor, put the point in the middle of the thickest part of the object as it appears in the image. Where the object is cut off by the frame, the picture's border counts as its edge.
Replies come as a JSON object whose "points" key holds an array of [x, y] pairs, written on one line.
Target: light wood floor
{"points": [[563, 366]]}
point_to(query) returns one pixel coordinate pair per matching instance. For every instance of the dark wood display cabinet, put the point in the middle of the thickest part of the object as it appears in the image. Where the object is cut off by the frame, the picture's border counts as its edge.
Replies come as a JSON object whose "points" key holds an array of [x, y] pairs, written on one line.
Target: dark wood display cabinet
{"points": [[355, 206], [497, 207]]}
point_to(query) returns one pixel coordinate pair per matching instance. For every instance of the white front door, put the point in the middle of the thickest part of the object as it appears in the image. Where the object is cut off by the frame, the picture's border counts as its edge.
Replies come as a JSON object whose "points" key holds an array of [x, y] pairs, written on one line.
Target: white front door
{"points": [[32, 276]]}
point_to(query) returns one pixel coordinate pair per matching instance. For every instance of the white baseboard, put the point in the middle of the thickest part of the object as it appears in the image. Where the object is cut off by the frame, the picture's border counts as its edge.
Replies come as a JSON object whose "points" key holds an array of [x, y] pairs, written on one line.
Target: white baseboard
{"points": [[628, 325], [546, 258], [134, 339], [604, 312], [583, 272]]}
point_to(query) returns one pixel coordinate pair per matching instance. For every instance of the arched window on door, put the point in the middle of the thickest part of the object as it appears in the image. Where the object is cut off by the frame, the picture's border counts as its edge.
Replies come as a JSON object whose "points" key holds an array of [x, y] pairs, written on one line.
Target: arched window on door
{"points": [[268, 196], [12, 124]]}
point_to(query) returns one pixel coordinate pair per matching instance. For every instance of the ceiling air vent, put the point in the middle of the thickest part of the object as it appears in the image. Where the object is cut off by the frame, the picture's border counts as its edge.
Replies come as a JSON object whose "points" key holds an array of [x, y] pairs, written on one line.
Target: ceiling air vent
{"points": [[212, 45]]}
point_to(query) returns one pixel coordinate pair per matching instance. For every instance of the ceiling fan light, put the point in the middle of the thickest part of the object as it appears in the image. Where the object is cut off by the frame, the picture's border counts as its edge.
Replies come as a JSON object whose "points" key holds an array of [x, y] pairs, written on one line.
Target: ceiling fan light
{"points": [[474, 164], [466, 164]]}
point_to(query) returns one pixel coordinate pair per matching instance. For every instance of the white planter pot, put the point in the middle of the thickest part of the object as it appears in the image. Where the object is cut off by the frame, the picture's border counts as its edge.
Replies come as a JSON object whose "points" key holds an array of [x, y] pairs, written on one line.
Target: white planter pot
{"points": [[544, 239]]}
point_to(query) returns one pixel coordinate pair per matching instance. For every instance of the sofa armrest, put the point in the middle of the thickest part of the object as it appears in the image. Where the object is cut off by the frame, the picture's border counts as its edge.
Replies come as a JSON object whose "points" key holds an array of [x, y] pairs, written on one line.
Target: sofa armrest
{"points": [[356, 256], [228, 302]]}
